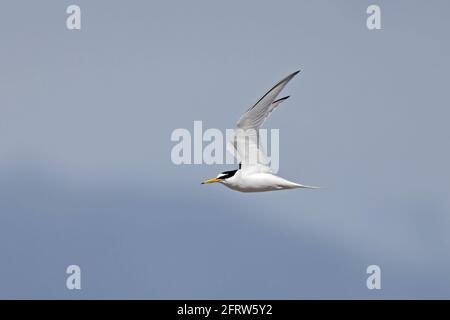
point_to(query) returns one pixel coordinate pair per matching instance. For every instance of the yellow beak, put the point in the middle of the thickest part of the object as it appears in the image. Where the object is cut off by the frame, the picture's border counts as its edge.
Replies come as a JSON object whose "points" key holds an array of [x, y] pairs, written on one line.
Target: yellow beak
{"points": [[211, 181]]}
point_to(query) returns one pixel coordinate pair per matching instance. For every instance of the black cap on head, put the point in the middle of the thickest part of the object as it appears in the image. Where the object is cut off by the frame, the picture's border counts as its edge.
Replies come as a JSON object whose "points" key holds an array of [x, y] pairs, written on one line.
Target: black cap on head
{"points": [[227, 174]]}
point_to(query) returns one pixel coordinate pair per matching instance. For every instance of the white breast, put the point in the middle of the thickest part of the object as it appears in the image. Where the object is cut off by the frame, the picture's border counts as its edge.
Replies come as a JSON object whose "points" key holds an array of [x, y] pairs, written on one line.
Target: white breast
{"points": [[258, 182]]}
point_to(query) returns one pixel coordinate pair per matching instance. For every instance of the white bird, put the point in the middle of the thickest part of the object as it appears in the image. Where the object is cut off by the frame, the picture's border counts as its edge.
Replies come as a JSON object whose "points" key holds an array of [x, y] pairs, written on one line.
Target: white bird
{"points": [[254, 173]]}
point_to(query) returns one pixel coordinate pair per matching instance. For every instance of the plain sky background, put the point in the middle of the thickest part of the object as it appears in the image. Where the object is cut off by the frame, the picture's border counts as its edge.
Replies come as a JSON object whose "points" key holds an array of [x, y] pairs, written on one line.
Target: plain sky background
{"points": [[85, 170]]}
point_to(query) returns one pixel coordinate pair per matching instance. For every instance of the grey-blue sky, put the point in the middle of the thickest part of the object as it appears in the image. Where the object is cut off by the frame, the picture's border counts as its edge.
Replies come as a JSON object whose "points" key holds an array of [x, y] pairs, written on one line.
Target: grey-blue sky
{"points": [[85, 146]]}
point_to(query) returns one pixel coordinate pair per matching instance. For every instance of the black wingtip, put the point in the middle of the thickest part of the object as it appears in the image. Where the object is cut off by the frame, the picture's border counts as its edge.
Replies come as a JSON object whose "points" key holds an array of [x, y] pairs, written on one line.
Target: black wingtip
{"points": [[296, 72], [281, 99]]}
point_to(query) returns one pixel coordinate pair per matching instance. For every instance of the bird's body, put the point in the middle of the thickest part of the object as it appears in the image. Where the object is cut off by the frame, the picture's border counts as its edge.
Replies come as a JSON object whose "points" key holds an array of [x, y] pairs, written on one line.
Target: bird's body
{"points": [[258, 182], [254, 174]]}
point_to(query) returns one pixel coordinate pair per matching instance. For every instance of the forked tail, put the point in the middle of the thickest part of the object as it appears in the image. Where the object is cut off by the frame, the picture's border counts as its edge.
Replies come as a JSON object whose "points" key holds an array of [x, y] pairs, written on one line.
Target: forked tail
{"points": [[305, 187]]}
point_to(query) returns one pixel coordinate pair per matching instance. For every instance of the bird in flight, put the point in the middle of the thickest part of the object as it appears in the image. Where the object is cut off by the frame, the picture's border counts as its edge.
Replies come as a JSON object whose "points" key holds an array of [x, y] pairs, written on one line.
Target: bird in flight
{"points": [[254, 173]]}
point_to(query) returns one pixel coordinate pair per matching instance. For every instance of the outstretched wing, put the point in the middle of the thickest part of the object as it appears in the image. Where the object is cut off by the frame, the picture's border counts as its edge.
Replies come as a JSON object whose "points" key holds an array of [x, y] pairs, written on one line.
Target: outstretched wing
{"points": [[256, 115], [245, 141]]}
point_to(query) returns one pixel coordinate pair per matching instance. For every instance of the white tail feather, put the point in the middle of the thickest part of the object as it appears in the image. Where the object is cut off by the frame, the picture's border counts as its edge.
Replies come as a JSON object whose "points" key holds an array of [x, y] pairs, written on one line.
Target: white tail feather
{"points": [[306, 187]]}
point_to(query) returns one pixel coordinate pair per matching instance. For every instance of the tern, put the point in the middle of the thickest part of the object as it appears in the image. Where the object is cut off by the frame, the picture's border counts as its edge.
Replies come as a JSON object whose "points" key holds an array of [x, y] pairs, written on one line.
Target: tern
{"points": [[254, 173]]}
